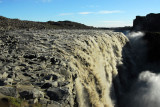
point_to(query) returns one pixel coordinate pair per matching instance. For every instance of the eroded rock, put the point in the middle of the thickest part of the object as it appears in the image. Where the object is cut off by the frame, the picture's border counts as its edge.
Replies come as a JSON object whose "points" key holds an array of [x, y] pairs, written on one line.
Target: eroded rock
{"points": [[31, 94], [8, 91], [57, 94], [73, 67]]}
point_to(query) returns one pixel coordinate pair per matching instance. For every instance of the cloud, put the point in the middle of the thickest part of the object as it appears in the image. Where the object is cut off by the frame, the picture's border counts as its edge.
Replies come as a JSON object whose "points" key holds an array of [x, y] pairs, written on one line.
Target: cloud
{"points": [[101, 12], [83, 13], [66, 14], [98, 12], [109, 12]]}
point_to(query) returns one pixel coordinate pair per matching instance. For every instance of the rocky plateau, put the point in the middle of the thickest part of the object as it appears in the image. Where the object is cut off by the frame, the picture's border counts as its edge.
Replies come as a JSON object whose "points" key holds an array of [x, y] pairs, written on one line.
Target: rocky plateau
{"points": [[61, 68]]}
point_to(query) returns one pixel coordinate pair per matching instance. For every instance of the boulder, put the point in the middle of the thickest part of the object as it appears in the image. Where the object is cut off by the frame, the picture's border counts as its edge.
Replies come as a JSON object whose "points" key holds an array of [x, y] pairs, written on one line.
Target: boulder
{"points": [[4, 75], [8, 81], [2, 83], [51, 77], [31, 94], [49, 84], [8, 91], [57, 94]]}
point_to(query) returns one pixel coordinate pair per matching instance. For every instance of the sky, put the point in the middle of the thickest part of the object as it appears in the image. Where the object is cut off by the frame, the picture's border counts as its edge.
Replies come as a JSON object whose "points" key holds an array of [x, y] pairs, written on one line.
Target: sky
{"points": [[97, 13]]}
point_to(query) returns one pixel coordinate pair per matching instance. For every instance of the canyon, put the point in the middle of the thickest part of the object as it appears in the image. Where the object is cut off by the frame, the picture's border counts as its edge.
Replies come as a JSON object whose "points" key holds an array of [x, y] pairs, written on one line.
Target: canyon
{"points": [[78, 67]]}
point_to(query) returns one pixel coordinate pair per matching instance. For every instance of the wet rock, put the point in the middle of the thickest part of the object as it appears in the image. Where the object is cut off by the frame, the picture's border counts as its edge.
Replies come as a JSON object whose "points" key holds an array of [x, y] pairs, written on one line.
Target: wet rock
{"points": [[55, 61], [4, 75], [26, 95], [42, 58], [33, 101], [49, 84], [51, 77], [30, 56], [2, 82], [27, 74], [8, 81], [12, 75], [54, 104], [44, 100], [57, 94], [54, 84], [8, 91], [22, 65], [31, 94], [61, 84]]}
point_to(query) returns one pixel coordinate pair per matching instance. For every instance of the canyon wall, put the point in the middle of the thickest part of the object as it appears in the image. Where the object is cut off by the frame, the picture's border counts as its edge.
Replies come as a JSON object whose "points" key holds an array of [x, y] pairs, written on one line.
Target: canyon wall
{"points": [[149, 22]]}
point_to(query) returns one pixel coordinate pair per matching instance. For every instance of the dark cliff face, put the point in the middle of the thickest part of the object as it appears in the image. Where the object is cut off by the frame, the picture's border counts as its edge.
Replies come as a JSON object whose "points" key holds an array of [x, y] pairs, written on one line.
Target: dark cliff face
{"points": [[153, 43], [150, 22], [139, 74]]}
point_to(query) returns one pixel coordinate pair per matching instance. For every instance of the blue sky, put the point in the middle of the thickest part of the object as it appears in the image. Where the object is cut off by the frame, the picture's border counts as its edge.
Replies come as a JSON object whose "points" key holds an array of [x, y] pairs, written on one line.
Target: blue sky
{"points": [[98, 13]]}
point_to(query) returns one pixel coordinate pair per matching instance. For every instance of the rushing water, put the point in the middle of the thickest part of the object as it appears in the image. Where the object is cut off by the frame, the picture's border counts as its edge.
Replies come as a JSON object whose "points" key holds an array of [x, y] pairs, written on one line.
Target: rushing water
{"points": [[144, 90], [99, 68]]}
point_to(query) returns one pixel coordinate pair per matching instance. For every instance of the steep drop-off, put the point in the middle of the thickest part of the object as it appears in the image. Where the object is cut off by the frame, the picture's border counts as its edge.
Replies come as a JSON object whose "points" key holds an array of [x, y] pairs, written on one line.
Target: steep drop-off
{"points": [[149, 22], [141, 80], [62, 67]]}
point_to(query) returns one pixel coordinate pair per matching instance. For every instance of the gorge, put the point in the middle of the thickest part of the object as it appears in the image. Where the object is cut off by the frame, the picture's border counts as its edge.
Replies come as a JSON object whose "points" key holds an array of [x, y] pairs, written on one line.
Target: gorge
{"points": [[79, 67]]}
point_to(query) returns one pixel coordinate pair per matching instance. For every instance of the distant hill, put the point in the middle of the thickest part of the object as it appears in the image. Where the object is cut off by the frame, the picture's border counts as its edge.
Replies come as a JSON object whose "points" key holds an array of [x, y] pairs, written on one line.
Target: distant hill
{"points": [[11, 24]]}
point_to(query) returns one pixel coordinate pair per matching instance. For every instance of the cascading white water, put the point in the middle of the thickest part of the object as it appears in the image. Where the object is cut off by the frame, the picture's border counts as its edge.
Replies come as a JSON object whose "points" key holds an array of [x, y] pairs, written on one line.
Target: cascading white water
{"points": [[85, 62], [144, 91], [93, 67]]}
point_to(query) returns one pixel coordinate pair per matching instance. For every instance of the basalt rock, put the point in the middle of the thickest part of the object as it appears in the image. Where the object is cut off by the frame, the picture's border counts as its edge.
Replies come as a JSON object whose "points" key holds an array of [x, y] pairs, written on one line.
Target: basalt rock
{"points": [[149, 22], [63, 67], [153, 43], [8, 91]]}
